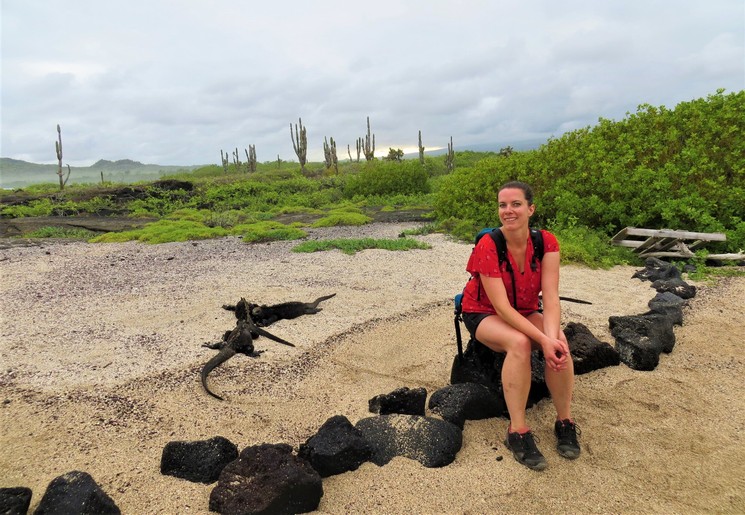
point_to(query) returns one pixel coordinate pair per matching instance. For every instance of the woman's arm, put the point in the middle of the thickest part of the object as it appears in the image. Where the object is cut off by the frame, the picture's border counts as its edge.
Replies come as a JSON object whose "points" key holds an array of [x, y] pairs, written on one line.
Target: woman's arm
{"points": [[555, 351], [550, 291], [494, 288]]}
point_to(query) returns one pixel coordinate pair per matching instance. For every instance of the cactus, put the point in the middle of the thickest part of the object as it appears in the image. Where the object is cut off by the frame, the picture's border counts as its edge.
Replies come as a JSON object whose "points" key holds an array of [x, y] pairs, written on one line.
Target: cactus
{"points": [[359, 150], [224, 160], [300, 143], [369, 148], [58, 149], [250, 158], [450, 157], [329, 154], [421, 149]]}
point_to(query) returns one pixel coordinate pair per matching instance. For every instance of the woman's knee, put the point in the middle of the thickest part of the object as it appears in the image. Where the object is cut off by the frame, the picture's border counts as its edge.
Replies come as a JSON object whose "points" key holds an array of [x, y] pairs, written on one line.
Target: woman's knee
{"points": [[519, 346]]}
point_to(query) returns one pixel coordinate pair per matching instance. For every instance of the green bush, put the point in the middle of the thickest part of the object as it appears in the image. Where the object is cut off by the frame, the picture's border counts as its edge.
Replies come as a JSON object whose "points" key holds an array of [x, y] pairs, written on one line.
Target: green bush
{"points": [[41, 207], [579, 244], [388, 178], [678, 169]]}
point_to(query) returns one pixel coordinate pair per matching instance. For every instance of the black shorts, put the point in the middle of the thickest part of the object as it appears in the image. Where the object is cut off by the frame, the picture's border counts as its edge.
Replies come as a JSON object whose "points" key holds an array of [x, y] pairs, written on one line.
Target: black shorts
{"points": [[472, 321]]}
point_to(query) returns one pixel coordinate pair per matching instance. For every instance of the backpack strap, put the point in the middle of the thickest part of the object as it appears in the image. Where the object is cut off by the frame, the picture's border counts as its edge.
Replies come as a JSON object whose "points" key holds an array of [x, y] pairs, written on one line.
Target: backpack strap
{"points": [[501, 244], [536, 237]]}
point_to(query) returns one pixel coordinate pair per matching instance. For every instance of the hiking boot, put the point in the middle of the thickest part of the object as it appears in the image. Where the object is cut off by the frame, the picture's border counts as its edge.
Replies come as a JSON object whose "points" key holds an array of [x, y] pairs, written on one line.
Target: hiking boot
{"points": [[525, 451], [566, 434]]}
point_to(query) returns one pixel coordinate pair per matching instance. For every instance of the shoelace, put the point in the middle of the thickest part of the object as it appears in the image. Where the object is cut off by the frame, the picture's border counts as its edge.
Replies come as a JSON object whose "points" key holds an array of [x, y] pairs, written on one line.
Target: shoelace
{"points": [[567, 426], [528, 441]]}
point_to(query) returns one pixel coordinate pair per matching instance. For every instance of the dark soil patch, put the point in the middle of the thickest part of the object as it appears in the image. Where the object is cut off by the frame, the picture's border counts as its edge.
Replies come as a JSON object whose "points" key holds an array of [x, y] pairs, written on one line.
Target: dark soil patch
{"points": [[16, 227]]}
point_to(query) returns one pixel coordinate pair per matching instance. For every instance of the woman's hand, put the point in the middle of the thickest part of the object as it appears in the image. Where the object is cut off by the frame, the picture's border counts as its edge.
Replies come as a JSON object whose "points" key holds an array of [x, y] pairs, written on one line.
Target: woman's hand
{"points": [[556, 354]]}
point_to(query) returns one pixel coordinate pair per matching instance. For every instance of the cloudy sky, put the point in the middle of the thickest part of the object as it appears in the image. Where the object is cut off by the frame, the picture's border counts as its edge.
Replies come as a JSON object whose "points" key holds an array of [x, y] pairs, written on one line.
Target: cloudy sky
{"points": [[176, 81]]}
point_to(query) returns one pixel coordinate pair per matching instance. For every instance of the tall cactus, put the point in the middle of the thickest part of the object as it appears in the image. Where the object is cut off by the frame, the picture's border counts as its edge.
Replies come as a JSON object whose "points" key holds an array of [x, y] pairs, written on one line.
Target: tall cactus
{"points": [[58, 149], [251, 158], [329, 154], [359, 150], [450, 157], [369, 145], [421, 149], [224, 160], [300, 143]]}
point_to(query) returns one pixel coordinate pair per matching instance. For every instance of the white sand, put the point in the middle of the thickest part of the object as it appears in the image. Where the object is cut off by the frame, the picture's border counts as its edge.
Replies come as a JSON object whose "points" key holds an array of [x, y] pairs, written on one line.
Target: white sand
{"points": [[101, 352]]}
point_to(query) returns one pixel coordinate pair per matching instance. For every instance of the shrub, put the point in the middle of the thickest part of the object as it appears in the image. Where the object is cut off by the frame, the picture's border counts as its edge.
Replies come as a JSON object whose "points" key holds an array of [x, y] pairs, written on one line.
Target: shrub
{"points": [[388, 178], [589, 247], [268, 231], [342, 218], [352, 246], [41, 207]]}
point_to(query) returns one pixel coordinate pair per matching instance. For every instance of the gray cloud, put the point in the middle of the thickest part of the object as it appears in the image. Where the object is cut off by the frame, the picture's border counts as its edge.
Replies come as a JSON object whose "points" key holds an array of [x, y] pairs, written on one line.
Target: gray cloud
{"points": [[174, 82]]}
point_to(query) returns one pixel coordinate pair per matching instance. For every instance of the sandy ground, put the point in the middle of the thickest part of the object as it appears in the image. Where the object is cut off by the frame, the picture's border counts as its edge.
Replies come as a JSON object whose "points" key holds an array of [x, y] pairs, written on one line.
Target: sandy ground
{"points": [[100, 353]]}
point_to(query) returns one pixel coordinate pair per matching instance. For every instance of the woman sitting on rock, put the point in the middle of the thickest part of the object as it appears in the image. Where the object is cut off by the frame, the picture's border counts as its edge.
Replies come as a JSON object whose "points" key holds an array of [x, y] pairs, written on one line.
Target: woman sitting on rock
{"points": [[516, 326]]}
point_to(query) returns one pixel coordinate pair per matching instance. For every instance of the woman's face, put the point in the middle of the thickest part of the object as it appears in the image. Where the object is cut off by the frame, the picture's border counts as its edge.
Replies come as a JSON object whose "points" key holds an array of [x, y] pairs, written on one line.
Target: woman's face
{"points": [[514, 210]]}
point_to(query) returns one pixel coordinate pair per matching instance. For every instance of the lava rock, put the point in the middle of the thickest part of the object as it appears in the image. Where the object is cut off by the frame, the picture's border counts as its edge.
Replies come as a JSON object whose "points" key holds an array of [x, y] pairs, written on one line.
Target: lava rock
{"points": [[677, 286], [402, 400], [589, 353], [200, 461], [430, 441], [15, 500], [457, 403], [641, 338], [669, 304], [656, 269], [266, 479], [336, 448], [75, 493]]}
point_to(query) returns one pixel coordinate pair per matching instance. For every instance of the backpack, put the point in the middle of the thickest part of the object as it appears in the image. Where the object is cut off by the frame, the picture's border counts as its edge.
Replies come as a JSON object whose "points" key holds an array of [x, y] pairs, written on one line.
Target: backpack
{"points": [[536, 238]]}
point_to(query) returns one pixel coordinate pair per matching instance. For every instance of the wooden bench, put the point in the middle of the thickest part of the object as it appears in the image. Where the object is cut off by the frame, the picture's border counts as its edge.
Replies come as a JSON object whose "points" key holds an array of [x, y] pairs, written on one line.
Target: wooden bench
{"points": [[669, 243]]}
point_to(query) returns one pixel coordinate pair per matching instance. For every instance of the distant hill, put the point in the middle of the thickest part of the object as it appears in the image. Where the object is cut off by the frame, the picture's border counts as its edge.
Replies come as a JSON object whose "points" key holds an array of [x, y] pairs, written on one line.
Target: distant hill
{"points": [[15, 173]]}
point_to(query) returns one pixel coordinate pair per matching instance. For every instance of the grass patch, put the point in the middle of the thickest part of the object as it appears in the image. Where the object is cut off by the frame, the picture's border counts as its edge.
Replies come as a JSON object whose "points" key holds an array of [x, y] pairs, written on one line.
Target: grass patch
{"points": [[61, 232], [420, 231], [354, 245], [342, 218], [164, 231]]}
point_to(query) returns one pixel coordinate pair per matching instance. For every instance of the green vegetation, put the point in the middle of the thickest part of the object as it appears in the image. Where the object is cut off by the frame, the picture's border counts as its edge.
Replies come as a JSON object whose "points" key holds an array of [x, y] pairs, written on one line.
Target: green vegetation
{"points": [[164, 231], [681, 168], [268, 231], [351, 245], [61, 232]]}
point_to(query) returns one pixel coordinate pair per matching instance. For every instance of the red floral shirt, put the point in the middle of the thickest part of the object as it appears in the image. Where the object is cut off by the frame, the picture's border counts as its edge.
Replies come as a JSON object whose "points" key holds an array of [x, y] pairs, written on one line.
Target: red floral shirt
{"points": [[484, 261]]}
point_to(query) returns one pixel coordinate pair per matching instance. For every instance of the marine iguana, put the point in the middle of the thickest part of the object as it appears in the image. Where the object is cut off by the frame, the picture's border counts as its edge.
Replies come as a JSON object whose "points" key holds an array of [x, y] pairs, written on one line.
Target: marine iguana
{"points": [[263, 315], [239, 340]]}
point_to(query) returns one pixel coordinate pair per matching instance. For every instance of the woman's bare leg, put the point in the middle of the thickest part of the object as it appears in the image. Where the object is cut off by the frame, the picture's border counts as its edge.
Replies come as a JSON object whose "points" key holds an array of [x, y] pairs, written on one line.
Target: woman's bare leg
{"points": [[560, 384], [501, 337]]}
